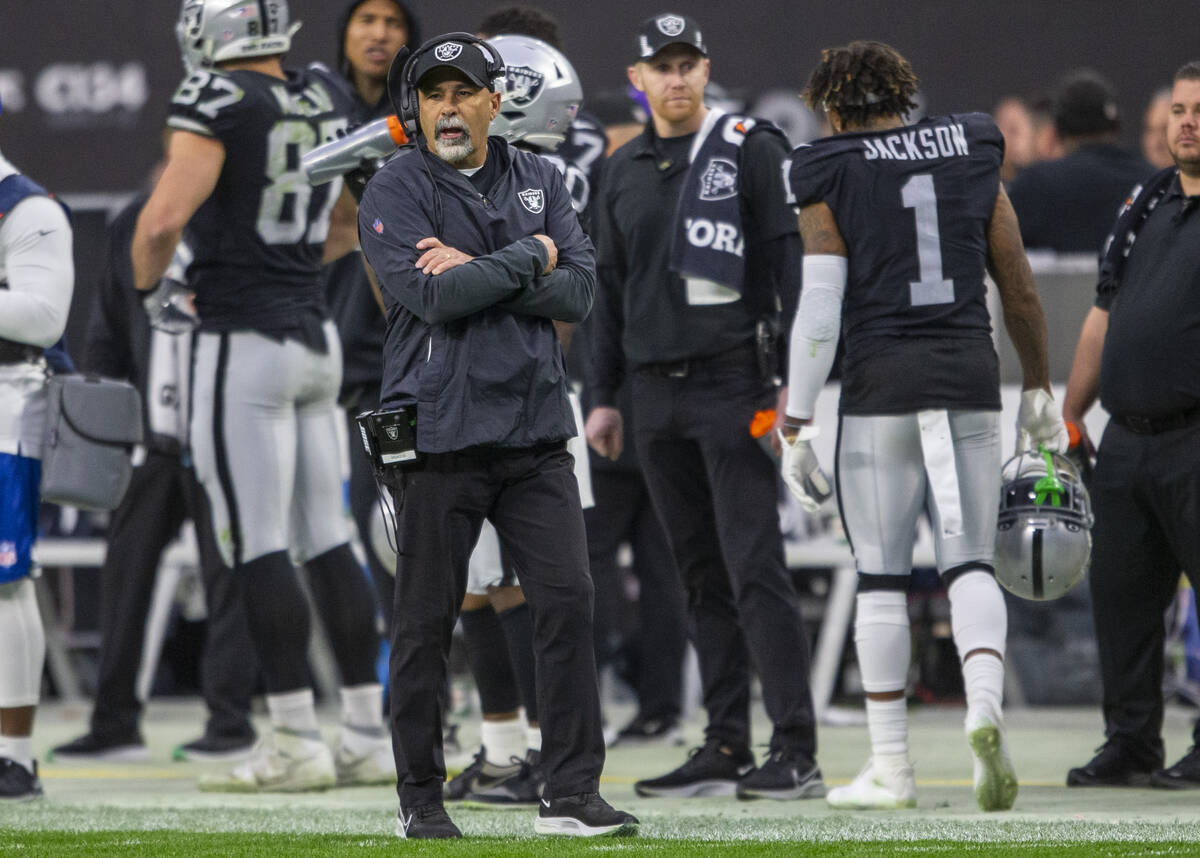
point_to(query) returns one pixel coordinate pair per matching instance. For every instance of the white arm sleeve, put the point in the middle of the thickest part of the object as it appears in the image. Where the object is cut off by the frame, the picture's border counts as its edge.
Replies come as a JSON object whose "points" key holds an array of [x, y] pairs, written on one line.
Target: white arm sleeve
{"points": [[815, 331], [35, 258]]}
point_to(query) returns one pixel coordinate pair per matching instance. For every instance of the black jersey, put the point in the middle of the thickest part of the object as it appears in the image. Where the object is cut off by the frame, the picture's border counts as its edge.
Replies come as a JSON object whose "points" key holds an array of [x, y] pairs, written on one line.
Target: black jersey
{"points": [[579, 159], [913, 206], [258, 238]]}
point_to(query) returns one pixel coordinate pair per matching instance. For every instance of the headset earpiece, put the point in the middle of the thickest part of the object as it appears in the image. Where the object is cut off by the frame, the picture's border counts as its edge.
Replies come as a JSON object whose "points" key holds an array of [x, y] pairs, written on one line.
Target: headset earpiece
{"points": [[397, 96]]}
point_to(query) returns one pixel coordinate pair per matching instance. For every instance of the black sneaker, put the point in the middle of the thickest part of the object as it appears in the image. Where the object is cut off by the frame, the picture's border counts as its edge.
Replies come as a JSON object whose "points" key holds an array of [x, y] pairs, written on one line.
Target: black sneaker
{"points": [[18, 783], [91, 747], [646, 731], [1185, 774], [583, 815], [783, 775], [712, 769], [493, 786], [1111, 766], [426, 822], [214, 749]]}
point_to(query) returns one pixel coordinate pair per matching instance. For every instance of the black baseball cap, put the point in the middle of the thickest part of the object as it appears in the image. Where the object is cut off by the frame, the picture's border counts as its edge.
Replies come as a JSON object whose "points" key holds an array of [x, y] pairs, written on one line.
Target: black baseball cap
{"points": [[667, 29], [1084, 104], [465, 55]]}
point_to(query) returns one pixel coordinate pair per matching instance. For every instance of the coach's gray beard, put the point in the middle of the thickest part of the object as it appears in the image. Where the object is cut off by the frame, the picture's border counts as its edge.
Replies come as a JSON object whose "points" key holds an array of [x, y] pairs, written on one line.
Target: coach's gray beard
{"points": [[458, 151]]}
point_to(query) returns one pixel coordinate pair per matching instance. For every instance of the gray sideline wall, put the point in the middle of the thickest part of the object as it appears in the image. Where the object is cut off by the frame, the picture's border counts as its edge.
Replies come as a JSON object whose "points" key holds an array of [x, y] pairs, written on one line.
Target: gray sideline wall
{"points": [[86, 83]]}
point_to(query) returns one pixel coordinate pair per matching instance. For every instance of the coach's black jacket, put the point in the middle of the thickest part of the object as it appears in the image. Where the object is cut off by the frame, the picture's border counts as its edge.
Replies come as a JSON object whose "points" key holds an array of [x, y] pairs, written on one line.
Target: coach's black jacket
{"points": [[474, 347]]}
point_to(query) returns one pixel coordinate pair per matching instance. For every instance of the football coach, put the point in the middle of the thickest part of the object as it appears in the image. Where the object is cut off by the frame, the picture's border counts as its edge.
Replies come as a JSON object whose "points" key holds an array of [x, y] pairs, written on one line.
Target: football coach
{"points": [[478, 251]]}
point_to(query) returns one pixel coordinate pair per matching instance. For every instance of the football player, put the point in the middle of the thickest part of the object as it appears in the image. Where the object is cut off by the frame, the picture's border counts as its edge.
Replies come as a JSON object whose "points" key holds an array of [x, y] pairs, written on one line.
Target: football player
{"points": [[900, 224], [267, 370], [37, 277]]}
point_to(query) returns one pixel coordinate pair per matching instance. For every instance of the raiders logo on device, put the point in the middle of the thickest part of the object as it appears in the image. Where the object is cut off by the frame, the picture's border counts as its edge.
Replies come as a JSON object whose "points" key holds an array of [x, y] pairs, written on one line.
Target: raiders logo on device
{"points": [[448, 51], [670, 25], [719, 181], [522, 85], [533, 199]]}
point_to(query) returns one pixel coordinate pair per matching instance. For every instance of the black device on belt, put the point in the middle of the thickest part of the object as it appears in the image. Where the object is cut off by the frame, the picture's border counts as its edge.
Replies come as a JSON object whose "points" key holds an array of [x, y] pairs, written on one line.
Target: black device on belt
{"points": [[1157, 425], [389, 437]]}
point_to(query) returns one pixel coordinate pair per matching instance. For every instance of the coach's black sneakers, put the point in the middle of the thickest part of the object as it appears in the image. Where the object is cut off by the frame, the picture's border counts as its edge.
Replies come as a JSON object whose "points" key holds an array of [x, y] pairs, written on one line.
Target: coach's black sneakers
{"points": [[18, 783], [1112, 766], [502, 785], [91, 747], [426, 822], [583, 815], [783, 775], [712, 769], [1185, 774]]}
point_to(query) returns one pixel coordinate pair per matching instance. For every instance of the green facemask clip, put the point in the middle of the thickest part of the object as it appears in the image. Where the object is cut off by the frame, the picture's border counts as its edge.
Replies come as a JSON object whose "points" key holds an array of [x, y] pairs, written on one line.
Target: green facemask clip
{"points": [[1048, 486]]}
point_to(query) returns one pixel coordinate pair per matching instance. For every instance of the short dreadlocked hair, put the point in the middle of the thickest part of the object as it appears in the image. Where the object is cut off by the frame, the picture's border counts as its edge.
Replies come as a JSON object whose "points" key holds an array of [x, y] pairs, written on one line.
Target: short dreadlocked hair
{"points": [[861, 81]]}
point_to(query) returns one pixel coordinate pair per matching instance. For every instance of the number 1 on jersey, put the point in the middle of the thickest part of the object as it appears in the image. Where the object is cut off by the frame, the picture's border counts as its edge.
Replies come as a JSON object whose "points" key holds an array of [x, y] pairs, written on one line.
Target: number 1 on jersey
{"points": [[918, 194]]}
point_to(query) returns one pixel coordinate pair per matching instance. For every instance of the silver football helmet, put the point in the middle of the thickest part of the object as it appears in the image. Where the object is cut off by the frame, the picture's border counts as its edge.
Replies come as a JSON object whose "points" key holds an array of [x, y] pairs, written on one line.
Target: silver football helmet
{"points": [[1044, 530], [540, 92], [213, 31]]}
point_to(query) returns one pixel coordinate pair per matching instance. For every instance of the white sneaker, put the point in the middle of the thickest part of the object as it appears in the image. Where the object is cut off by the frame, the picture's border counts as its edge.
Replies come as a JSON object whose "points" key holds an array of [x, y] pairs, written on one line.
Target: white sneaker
{"points": [[365, 765], [995, 777], [885, 783], [283, 761]]}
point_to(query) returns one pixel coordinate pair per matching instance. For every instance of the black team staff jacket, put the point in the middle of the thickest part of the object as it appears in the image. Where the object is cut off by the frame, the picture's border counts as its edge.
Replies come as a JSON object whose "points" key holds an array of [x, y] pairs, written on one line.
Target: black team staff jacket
{"points": [[640, 317], [474, 347]]}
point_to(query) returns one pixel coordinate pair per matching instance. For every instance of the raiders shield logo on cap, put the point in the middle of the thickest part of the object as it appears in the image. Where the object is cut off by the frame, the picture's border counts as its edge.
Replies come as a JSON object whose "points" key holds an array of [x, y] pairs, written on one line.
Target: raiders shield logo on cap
{"points": [[533, 199], [670, 25], [447, 51]]}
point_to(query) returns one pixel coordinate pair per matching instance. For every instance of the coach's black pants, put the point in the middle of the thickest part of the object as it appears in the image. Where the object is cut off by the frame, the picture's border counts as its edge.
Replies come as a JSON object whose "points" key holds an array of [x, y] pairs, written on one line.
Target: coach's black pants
{"points": [[162, 493], [531, 497], [623, 513], [1146, 498], [716, 492]]}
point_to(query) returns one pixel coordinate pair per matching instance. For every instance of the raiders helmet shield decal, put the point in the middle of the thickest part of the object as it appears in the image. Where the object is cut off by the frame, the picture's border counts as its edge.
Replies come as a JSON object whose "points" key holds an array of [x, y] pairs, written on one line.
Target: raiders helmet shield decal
{"points": [[533, 199], [670, 25], [522, 85]]}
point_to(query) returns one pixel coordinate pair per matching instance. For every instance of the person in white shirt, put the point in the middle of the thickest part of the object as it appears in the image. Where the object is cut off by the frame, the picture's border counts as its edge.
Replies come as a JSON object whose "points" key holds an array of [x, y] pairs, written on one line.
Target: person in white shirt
{"points": [[36, 281]]}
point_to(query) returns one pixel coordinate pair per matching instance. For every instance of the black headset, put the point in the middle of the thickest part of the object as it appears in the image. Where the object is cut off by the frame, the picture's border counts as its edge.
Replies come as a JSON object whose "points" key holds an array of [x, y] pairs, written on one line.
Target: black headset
{"points": [[402, 89]]}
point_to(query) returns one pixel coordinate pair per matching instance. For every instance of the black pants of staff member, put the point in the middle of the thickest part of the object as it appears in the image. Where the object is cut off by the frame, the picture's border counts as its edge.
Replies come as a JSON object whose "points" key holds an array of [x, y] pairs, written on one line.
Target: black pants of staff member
{"points": [[531, 497], [164, 492], [623, 513], [715, 490], [1146, 498], [364, 500]]}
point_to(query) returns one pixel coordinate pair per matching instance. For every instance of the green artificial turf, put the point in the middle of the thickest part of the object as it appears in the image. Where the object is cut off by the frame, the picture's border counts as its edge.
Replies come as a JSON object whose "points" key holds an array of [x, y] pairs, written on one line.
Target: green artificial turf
{"points": [[169, 844]]}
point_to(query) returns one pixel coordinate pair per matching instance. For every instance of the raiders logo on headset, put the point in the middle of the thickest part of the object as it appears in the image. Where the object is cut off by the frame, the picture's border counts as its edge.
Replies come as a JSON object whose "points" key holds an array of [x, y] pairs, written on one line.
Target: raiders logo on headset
{"points": [[533, 199], [670, 25], [522, 85], [719, 181], [447, 51], [392, 432]]}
